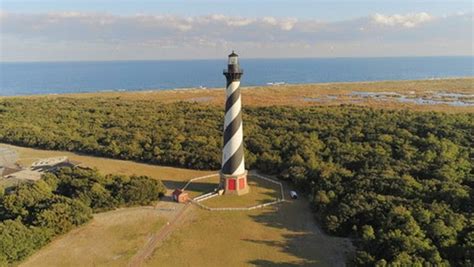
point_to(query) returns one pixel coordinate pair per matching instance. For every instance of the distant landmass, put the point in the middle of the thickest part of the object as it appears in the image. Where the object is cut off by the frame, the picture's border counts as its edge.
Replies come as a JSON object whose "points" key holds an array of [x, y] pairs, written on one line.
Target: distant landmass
{"points": [[28, 78]]}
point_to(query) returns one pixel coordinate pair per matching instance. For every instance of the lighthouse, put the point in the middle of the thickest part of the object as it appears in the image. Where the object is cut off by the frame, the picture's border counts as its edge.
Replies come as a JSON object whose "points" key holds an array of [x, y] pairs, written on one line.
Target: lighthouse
{"points": [[233, 176]]}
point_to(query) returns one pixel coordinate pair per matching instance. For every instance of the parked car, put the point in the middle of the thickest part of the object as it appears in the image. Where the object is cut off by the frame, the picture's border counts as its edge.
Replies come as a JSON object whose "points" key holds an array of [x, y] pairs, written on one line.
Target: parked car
{"points": [[293, 194]]}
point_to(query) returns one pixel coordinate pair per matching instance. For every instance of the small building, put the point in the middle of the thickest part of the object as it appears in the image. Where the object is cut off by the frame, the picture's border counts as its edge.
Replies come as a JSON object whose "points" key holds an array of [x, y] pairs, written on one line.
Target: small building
{"points": [[51, 164], [180, 196]]}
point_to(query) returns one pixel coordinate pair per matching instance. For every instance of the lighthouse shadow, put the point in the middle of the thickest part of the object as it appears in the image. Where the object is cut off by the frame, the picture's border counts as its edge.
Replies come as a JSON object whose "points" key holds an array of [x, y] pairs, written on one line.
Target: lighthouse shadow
{"points": [[302, 238], [194, 188]]}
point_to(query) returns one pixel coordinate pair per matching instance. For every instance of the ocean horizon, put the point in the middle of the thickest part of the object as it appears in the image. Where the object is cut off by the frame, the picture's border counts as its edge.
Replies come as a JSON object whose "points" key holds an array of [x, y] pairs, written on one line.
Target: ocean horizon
{"points": [[31, 78]]}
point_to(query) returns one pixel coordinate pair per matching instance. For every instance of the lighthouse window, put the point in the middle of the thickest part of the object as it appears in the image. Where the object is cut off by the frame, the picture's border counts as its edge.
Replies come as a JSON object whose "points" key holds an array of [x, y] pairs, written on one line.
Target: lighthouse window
{"points": [[233, 60]]}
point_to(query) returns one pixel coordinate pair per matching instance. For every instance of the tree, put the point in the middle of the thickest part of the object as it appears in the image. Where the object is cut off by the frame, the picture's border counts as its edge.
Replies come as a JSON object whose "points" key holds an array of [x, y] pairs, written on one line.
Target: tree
{"points": [[368, 233], [142, 190], [18, 203], [15, 243], [63, 214]]}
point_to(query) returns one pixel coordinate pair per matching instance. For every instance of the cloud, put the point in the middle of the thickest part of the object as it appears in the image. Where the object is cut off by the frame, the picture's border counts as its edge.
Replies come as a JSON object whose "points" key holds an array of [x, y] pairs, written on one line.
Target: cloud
{"points": [[239, 22], [288, 24], [207, 36], [407, 21], [284, 24], [270, 20]]}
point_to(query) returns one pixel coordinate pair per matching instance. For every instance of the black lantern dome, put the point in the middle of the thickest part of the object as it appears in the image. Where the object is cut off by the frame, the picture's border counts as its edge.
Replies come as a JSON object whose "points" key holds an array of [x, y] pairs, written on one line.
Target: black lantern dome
{"points": [[233, 58], [233, 69]]}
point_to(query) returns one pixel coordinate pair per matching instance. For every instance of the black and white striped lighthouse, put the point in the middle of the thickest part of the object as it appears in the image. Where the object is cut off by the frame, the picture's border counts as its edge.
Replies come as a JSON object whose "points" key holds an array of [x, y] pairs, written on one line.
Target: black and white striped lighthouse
{"points": [[233, 173]]}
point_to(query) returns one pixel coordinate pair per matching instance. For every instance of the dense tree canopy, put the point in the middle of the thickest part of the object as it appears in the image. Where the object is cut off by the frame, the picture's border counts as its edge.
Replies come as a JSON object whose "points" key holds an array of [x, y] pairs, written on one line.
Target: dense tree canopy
{"points": [[400, 183], [32, 213]]}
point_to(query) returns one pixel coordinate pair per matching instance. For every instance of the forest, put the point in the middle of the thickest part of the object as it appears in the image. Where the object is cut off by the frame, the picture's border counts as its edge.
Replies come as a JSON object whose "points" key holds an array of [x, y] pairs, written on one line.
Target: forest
{"points": [[33, 213], [398, 183]]}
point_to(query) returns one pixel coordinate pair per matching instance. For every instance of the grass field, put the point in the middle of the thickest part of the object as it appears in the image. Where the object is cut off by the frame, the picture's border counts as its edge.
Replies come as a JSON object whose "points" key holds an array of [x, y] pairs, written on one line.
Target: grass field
{"points": [[283, 235], [279, 235], [261, 192], [110, 239], [306, 94]]}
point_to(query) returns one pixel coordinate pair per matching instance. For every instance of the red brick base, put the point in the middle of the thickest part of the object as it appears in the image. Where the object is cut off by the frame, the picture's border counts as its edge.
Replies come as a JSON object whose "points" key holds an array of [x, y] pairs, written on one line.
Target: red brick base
{"points": [[234, 184]]}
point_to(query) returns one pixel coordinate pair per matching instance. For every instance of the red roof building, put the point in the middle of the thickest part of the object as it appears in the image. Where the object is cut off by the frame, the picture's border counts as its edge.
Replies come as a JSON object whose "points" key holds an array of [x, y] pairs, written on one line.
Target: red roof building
{"points": [[180, 196]]}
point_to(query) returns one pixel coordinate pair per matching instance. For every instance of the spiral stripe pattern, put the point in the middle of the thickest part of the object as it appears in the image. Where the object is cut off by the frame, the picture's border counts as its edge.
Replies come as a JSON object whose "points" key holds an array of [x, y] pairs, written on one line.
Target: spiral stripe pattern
{"points": [[233, 152]]}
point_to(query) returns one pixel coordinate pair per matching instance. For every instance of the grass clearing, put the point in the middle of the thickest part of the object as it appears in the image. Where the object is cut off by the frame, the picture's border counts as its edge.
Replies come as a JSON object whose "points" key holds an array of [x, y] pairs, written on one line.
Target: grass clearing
{"points": [[110, 239], [280, 235], [261, 192]]}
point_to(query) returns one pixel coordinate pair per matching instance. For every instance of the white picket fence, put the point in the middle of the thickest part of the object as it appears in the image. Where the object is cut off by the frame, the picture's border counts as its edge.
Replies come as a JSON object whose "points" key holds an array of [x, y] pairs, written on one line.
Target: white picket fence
{"points": [[237, 208], [205, 196], [272, 181], [198, 178], [200, 198]]}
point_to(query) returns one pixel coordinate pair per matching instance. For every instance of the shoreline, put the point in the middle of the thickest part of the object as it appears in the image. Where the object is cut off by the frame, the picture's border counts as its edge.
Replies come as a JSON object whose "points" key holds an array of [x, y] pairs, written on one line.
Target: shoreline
{"points": [[451, 95], [187, 89]]}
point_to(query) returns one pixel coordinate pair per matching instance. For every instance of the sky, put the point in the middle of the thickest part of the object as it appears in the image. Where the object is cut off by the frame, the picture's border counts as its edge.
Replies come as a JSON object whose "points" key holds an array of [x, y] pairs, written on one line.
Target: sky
{"points": [[69, 30]]}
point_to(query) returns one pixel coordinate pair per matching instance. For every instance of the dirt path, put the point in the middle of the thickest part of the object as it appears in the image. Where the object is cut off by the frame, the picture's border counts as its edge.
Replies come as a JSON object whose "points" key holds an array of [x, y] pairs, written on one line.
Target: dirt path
{"points": [[109, 239], [147, 250]]}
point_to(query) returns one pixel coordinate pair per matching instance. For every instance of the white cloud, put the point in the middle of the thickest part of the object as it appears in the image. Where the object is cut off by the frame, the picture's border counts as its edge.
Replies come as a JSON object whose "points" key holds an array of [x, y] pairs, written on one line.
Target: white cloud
{"points": [[239, 22], [286, 24], [408, 20], [270, 20], [70, 14], [212, 33]]}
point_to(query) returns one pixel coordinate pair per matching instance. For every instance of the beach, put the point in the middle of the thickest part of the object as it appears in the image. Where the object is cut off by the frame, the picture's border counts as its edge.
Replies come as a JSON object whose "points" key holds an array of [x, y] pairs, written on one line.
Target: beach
{"points": [[447, 95]]}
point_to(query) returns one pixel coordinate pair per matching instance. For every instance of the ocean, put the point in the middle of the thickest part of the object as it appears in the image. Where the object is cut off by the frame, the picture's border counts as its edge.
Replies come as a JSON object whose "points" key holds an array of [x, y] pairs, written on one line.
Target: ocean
{"points": [[29, 78]]}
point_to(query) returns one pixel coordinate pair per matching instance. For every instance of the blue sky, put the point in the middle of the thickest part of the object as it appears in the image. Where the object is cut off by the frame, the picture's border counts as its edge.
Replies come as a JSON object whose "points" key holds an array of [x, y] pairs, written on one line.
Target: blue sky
{"points": [[42, 30], [322, 9]]}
